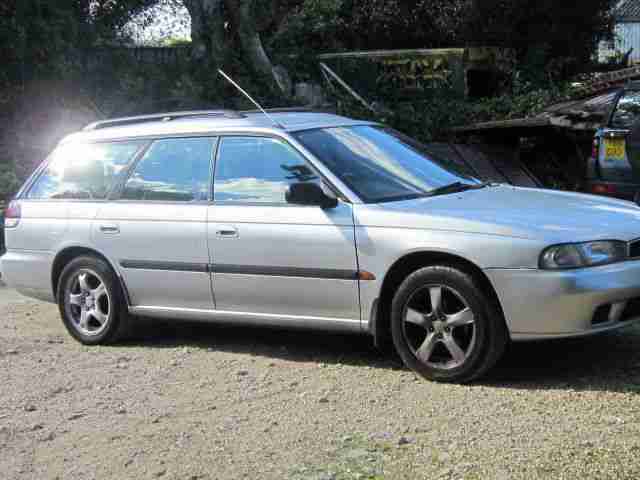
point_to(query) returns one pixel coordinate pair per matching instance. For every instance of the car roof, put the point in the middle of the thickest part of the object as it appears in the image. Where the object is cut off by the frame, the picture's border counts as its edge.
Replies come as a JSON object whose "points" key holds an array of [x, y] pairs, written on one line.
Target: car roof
{"points": [[207, 122]]}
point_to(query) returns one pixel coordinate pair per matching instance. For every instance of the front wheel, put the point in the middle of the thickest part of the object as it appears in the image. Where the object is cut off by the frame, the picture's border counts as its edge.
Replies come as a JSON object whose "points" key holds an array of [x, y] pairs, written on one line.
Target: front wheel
{"points": [[445, 327]]}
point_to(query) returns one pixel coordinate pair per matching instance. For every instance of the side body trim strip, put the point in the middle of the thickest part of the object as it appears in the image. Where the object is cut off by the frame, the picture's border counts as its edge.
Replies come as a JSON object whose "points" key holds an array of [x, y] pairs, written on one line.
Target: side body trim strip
{"points": [[170, 266], [325, 273], [320, 273]]}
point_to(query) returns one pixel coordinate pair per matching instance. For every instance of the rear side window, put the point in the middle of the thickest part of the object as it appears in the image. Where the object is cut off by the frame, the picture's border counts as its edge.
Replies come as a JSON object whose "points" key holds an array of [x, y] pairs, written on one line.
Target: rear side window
{"points": [[628, 110], [173, 170], [254, 169], [84, 171]]}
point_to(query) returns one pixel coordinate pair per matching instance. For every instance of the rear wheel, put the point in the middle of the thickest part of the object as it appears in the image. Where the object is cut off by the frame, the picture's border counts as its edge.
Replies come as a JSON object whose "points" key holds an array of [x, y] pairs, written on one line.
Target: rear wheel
{"points": [[445, 327], [91, 302]]}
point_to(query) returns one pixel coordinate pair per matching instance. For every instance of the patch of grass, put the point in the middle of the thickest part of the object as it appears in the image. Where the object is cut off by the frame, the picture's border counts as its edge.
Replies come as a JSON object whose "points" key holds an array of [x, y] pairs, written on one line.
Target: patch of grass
{"points": [[355, 458]]}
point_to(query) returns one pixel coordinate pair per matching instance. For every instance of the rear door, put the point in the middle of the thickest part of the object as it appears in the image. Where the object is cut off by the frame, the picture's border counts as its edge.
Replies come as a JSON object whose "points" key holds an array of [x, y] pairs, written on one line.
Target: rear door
{"points": [[155, 229], [272, 257]]}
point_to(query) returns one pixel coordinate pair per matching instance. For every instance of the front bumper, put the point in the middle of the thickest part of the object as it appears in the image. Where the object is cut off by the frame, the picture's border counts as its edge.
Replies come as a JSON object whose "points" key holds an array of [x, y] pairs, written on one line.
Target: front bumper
{"points": [[542, 304]]}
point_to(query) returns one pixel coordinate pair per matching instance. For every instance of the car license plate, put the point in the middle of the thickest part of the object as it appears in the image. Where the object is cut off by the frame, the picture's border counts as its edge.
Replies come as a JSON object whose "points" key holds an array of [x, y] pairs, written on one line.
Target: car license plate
{"points": [[614, 148]]}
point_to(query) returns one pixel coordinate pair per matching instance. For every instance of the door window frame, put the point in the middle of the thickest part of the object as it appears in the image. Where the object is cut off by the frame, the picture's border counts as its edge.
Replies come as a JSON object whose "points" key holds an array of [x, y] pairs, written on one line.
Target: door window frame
{"points": [[118, 189], [323, 178]]}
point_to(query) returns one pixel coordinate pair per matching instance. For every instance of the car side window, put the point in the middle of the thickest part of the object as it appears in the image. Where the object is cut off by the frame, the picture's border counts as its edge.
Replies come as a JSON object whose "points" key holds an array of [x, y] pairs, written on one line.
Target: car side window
{"points": [[627, 112], [172, 170], [84, 171], [258, 169]]}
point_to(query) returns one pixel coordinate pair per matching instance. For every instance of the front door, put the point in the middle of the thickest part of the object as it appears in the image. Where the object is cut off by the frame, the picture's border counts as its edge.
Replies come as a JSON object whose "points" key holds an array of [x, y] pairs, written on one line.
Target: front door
{"points": [[156, 229], [272, 257]]}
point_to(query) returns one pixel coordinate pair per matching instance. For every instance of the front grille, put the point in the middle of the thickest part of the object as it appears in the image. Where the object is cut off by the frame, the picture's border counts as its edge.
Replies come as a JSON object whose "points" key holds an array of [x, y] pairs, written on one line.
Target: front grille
{"points": [[634, 249], [616, 312], [601, 315], [632, 310]]}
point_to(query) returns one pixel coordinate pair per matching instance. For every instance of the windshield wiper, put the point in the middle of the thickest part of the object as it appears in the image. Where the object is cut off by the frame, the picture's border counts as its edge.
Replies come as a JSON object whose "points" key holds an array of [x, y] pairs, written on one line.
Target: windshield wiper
{"points": [[455, 187]]}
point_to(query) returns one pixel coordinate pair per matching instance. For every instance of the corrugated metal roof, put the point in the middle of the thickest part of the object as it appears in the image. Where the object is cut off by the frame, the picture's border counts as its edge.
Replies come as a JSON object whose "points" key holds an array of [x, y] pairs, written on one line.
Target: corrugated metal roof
{"points": [[628, 11], [586, 114]]}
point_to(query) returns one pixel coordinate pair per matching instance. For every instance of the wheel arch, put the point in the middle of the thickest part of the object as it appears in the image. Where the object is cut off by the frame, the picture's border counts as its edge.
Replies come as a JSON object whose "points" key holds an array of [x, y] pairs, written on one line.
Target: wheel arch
{"points": [[380, 318], [64, 256]]}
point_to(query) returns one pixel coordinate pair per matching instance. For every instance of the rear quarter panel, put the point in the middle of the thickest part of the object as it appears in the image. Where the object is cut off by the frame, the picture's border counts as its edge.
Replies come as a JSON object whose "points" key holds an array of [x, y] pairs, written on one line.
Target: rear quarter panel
{"points": [[45, 229]]}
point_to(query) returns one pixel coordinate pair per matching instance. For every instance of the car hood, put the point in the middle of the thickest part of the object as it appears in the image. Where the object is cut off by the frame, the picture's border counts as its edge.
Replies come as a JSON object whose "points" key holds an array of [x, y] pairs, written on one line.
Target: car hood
{"points": [[514, 212]]}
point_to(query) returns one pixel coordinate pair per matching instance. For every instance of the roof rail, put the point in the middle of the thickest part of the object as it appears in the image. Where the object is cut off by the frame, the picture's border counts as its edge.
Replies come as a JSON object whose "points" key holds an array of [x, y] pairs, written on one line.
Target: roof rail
{"points": [[282, 110], [162, 117]]}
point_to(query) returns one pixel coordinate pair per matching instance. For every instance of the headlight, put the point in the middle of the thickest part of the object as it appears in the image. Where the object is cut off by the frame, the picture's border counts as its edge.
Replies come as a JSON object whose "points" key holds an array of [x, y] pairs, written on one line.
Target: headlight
{"points": [[588, 254]]}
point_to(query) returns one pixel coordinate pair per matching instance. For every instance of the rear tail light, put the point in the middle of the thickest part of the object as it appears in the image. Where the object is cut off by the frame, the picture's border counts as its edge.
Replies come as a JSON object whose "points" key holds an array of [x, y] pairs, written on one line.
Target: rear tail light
{"points": [[595, 151], [12, 215], [603, 189]]}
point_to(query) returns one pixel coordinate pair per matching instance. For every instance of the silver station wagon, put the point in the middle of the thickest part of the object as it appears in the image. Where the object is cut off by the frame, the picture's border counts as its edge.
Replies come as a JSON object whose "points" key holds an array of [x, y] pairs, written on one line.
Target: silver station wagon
{"points": [[313, 220]]}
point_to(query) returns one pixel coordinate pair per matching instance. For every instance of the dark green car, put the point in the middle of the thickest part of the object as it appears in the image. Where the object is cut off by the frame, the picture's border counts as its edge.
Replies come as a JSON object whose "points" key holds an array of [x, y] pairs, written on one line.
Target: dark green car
{"points": [[614, 167]]}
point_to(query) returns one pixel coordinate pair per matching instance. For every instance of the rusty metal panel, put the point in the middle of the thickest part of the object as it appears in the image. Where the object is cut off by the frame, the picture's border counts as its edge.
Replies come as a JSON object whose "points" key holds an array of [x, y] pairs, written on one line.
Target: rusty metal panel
{"points": [[513, 124], [496, 163], [506, 160], [449, 152], [481, 165]]}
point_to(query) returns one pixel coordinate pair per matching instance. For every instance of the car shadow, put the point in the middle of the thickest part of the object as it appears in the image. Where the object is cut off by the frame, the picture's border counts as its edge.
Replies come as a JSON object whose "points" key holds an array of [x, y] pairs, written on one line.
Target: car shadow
{"points": [[608, 362], [295, 345]]}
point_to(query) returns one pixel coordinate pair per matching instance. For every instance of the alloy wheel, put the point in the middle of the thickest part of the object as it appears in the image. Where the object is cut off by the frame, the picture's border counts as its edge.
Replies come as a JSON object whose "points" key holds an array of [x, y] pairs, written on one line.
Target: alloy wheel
{"points": [[439, 327], [88, 302]]}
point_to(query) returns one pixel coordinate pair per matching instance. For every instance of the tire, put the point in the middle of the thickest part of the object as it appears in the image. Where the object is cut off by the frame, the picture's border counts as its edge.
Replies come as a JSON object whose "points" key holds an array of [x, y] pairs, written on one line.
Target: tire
{"points": [[464, 314], [93, 315]]}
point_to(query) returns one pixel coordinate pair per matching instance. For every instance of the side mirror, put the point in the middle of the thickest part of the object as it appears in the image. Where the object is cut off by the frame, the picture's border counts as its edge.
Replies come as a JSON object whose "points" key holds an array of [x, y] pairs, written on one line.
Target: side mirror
{"points": [[307, 193]]}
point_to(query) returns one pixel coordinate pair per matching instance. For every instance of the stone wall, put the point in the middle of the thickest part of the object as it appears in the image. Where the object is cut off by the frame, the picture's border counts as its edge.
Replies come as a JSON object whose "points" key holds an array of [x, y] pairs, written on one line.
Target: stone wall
{"points": [[161, 56]]}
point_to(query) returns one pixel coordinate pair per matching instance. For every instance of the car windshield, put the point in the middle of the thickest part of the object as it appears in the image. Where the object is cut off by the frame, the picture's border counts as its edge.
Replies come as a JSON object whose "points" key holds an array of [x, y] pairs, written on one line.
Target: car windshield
{"points": [[627, 111], [381, 165]]}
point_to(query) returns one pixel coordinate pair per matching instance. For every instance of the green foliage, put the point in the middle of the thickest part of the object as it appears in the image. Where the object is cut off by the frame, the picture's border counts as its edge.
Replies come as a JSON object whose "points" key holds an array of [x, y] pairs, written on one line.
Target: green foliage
{"points": [[9, 182], [316, 22], [45, 37], [553, 40], [48, 42], [389, 24], [315, 26], [550, 36]]}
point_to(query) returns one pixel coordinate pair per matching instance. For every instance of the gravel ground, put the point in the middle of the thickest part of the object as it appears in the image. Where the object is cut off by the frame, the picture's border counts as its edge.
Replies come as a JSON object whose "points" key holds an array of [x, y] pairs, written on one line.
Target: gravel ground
{"points": [[189, 401]]}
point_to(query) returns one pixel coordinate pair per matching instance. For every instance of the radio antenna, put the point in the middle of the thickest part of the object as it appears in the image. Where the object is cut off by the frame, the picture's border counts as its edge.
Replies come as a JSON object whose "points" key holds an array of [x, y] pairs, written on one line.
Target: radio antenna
{"points": [[271, 119]]}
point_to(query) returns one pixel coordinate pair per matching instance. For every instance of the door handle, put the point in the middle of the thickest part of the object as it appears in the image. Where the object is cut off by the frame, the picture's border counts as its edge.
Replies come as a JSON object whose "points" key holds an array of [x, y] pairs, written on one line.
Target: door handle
{"points": [[226, 231], [110, 229]]}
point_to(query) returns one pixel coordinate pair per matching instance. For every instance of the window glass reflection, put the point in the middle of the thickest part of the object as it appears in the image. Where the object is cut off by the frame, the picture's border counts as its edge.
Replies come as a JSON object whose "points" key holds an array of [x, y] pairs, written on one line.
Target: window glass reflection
{"points": [[84, 171], [252, 169], [379, 164], [175, 170]]}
